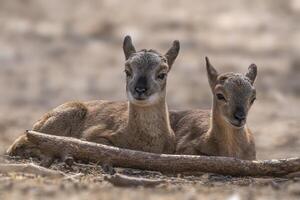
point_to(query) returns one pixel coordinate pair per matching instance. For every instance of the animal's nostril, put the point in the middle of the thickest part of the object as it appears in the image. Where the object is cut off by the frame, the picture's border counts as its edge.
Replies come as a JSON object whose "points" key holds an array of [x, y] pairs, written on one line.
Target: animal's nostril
{"points": [[140, 90], [239, 116]]}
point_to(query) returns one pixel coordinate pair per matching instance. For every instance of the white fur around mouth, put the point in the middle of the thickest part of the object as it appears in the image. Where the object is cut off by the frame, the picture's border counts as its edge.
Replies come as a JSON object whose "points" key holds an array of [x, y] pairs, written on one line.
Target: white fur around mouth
{"points": [[153, 99], [238, 127], [233, 125]]}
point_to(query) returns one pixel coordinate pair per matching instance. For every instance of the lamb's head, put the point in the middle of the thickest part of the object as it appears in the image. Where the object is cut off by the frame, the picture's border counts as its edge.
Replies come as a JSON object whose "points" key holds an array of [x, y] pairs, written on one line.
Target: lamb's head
{"points": [[146, 73], [233, 93]]}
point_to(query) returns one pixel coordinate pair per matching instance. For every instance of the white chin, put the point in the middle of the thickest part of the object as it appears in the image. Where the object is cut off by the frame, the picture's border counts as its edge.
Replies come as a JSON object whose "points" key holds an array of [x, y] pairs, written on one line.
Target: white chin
{"points": [[234, 126], [153, 99]]}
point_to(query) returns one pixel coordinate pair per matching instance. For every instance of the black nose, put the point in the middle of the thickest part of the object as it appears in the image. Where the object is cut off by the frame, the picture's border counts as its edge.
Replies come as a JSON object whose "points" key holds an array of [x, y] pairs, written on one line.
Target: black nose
{"points": [[240, 116], [140, 90]]}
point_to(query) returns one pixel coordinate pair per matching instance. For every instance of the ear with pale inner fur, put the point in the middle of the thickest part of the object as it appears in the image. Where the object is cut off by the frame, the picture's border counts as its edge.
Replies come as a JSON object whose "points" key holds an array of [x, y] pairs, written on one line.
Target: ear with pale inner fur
{"points": [[252, 72], [212, 73], [128, 47], [172, 53]]}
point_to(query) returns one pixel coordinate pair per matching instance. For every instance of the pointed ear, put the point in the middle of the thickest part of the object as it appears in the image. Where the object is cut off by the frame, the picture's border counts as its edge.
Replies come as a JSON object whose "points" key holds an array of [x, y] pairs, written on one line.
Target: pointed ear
{"points": [[252, 72], [212, 73], [128, 47], [172, 53]]}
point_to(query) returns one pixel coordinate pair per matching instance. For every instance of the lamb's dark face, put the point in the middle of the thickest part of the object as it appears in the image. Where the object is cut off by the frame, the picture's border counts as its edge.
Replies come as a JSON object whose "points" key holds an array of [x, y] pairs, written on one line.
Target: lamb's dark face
{"points": [[146, 73], [146, 77], [233, 94]]}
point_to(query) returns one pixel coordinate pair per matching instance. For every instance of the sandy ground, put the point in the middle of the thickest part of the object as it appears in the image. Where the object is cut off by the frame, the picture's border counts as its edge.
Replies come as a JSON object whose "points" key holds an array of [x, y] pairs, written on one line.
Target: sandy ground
{"points": [[55, 51]]}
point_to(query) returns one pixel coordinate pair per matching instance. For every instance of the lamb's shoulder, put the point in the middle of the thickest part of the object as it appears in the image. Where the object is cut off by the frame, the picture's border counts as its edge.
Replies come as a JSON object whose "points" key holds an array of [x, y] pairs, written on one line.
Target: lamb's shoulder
{"points": [[190, 123], [104, 119], [110, 113], [189, 127]]}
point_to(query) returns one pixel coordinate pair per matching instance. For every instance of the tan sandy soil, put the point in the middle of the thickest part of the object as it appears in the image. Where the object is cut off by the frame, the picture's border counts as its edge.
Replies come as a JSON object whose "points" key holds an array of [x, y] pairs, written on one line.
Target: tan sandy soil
{"points": [[55, 51]]}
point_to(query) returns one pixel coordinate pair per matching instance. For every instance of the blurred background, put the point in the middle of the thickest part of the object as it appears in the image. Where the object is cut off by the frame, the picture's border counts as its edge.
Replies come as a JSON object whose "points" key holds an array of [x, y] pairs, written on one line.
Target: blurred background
{"points": [[56, 51]]}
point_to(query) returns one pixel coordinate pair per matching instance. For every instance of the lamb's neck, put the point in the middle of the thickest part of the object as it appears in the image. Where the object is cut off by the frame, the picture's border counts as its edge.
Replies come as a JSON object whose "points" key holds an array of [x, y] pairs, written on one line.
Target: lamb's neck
{"points": [[152, 119], [229, 138]]}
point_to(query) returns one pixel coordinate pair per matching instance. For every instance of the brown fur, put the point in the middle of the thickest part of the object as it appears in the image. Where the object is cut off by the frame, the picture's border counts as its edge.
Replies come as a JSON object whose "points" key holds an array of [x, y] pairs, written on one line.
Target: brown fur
{"points": [[138, 124], [195, 136], [125, 125], [210, 133]]}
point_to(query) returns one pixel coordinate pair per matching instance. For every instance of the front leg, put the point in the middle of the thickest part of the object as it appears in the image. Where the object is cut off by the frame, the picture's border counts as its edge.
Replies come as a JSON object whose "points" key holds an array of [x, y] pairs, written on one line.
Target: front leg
{"points": [[23, 148], [97, 134]]}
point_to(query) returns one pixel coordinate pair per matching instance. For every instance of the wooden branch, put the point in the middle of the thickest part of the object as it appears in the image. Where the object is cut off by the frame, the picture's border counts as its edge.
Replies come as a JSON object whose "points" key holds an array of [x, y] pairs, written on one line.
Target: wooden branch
{"points": [[30, 169], [127, 181], [293, 175], [118, 157]]}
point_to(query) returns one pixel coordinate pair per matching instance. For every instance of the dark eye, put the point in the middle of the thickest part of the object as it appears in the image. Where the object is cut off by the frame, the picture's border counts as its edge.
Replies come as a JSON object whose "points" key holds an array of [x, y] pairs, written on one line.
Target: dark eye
{"points": [[128, 73], [162, 76], [220, 97], [252, 101]]}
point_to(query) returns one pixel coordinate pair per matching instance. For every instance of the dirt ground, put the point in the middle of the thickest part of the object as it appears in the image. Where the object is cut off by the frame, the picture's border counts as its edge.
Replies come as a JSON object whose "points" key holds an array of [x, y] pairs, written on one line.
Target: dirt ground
{"points": [[56, 51]]}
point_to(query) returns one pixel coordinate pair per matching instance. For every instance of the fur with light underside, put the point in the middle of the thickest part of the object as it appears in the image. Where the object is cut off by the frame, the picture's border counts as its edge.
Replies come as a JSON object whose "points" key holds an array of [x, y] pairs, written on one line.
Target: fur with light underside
{"points": [[142, 123], [221, 131]]}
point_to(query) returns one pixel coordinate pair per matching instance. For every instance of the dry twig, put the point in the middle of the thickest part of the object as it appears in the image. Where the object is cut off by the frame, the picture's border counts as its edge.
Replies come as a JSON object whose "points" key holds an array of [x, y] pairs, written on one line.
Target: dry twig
{"points": [[127, 181], [30, 169], [118, 157]]}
